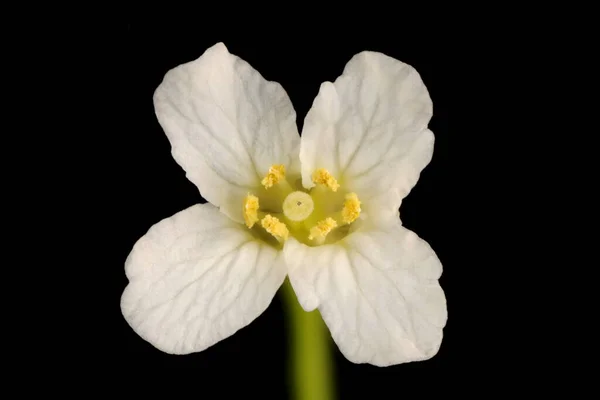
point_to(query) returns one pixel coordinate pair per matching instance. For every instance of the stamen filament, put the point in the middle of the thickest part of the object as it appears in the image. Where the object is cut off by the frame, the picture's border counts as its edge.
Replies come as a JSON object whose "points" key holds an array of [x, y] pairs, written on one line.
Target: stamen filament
{"points": [[320, 231]]}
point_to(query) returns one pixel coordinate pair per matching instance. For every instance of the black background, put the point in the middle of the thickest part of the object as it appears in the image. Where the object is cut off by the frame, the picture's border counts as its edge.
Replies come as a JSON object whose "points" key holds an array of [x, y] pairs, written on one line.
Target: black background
{"points": [[151, 186]]}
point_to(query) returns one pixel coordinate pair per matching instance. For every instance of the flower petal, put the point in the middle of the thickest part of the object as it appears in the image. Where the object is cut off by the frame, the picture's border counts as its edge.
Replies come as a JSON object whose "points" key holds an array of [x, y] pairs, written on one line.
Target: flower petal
{"points": [[369, 128], [227, 125], [196, 278], [378, 293]]}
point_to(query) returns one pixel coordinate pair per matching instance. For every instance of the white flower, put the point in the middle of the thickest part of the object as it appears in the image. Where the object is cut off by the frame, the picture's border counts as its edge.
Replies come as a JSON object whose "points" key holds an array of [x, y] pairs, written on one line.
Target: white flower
{"points": [[323, 210]]}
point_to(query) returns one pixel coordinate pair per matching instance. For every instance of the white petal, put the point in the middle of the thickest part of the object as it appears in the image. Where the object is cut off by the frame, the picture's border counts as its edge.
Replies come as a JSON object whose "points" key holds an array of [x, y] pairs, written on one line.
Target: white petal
{"points": [[227, 125], [196, 278], [369, 128], [378, 293]]}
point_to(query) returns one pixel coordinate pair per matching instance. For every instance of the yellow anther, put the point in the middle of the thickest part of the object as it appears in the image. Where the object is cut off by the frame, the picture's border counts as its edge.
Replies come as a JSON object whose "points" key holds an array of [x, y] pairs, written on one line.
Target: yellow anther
{"points": [[275, 227], [275, 174], [322, 228], [250, 210], [323, 177], [351, 209]]}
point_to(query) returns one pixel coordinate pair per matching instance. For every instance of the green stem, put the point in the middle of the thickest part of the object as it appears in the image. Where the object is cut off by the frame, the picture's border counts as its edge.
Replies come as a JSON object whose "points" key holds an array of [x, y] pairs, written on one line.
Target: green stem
{"points": [[311, 365]]}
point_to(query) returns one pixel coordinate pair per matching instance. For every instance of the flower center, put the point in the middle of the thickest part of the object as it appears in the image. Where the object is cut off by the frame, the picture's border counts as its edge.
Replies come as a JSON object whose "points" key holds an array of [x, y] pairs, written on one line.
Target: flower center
{"points": [[298, 206], [314, 217]]}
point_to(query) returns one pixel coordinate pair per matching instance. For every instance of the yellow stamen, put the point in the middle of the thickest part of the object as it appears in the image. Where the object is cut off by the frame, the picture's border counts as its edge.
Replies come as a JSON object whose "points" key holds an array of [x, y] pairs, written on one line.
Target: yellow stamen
{"points": [[275, 174], [351, 209], [275, 227], [322, 228], [323, 177], [250, 210]]}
